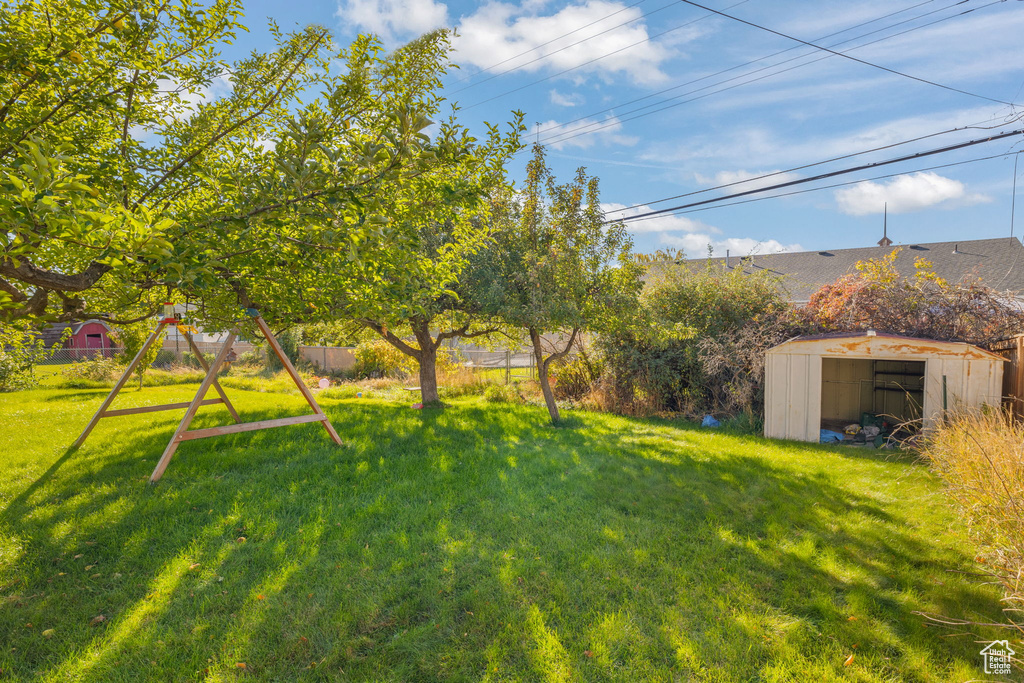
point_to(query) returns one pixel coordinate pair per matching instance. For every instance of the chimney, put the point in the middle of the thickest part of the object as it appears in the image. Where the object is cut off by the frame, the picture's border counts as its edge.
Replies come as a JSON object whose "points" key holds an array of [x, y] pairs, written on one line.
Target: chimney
{"points": [[727, 264], [885, 241], [956, 248]]}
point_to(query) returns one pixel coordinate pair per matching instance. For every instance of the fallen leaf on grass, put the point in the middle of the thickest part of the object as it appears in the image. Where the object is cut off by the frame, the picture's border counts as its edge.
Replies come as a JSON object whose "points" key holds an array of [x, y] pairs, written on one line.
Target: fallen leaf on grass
{"points": [[195, 565], [588, 653], [48, 633], [77, 556], [89, 566], [240, 539], [241, 665], [851, 618], [98, 619], [259, 597], [849, 660], [28, 625]]}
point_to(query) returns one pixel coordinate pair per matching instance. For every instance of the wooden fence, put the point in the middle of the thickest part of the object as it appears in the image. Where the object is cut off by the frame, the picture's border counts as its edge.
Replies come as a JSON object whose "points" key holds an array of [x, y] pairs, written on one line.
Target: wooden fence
{"points": [[1013, 373]]}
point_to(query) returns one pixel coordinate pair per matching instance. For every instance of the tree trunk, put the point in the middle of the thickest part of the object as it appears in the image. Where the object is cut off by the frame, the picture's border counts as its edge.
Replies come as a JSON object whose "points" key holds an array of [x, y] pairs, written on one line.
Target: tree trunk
{"points": [[428, 376], [542, 376], [428, 363]]}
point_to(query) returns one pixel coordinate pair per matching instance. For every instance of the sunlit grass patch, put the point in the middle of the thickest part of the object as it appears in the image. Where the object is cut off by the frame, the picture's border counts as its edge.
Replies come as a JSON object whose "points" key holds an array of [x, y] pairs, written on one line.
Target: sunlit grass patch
{"points": [[467, 543]]}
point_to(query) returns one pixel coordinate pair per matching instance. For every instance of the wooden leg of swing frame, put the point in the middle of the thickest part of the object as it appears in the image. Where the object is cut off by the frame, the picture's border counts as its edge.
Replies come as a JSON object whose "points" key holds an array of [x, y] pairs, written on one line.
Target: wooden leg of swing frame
{"points": [[306, 393], [216, 384], [211, 376], [117, 387]]}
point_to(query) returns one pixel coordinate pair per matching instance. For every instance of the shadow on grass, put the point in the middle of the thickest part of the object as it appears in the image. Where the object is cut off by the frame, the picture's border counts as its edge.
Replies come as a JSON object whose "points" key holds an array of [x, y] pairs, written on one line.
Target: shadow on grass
{"points": [[476, 543]]}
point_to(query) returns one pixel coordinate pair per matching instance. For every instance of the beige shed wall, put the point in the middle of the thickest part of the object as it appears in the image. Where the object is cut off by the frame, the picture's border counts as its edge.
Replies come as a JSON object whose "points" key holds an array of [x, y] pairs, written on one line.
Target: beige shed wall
{"points": [[793, 378]]}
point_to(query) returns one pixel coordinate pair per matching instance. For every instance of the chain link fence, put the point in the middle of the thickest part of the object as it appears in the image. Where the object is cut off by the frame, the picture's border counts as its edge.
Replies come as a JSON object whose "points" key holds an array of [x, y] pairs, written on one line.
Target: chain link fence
{"points": [[504, 366], [74, 354]]}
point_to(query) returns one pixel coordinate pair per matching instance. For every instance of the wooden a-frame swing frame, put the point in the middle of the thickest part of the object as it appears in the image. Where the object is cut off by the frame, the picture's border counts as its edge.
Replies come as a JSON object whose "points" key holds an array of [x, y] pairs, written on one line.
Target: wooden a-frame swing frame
{"points": [[182, 433]]}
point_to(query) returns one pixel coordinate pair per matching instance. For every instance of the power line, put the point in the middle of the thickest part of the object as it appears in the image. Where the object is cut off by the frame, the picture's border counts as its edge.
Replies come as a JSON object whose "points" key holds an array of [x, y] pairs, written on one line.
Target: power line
{"points": [[826, 161], [755, 61], [855, 59], [556, 139], [595, 59], [822, 176], [827, 187]]}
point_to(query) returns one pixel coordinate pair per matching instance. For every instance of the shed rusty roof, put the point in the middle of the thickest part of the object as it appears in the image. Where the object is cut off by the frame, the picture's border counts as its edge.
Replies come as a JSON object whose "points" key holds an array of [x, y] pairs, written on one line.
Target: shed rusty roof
{"points": [[854, 343]]}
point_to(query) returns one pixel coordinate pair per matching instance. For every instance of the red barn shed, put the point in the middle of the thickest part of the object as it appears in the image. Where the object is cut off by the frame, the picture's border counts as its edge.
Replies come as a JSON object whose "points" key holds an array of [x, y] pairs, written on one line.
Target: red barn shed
{"points": [[88, 339]]}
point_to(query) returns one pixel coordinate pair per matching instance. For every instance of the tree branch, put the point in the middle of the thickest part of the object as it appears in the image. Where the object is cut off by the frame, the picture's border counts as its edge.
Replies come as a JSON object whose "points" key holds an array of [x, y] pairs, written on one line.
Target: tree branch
{"points": [[33, 275], [230, 129], [390, 337]]}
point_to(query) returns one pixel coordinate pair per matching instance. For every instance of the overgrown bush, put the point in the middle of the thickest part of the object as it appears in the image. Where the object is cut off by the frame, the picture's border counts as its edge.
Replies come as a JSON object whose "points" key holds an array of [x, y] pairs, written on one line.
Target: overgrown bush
{"points": [[289, 341], [93, 370], [250, 358], [165, 358], [377, 358], [502, 393], [20, 351], [879, 297], [576, 375], [189, 360], [696, 345], [980, 458]]}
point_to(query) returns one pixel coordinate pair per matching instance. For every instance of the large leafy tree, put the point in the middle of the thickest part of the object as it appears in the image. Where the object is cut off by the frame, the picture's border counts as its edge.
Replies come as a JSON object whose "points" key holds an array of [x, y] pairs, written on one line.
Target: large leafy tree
{"points": [[104, 132], [568, 270], [122, 183]]}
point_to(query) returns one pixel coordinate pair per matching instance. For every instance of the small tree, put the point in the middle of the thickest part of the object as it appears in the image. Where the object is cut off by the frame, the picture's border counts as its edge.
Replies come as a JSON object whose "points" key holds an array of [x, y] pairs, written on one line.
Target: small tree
{"points": [[21, 349], [439, 293], [132, 338], [568, 271]]}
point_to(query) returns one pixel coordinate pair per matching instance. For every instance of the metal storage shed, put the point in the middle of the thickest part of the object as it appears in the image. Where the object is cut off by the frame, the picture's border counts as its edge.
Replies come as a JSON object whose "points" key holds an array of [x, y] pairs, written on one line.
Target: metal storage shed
{"points": [[834, 378]]}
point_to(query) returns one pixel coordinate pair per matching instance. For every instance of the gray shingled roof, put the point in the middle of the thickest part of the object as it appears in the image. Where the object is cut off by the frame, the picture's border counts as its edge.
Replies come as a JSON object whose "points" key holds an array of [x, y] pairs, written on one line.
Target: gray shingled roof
{"points": [[998, 262]]}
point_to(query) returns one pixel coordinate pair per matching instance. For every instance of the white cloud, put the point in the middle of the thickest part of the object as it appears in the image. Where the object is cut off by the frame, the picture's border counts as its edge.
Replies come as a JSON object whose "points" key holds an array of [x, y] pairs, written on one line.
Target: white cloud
{"points": [[739, 179], [392, 19], [560, 136], [692, 236], [696, 245], [569, 100], [500, 37], [904, 194]]}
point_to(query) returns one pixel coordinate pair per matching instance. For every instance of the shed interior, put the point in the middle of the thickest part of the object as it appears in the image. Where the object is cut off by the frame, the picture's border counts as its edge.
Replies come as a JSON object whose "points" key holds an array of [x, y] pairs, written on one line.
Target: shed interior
{"points": [[851, 387]]}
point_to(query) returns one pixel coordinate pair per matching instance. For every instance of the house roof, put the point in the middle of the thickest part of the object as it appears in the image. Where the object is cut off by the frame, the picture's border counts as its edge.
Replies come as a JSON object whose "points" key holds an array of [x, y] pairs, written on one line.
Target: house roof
{"points": [[51, 334], [998, 262]]}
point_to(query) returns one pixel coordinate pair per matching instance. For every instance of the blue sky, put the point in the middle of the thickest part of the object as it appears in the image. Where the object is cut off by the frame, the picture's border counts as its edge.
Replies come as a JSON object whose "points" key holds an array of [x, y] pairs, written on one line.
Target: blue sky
{"points": [[628, 89]]}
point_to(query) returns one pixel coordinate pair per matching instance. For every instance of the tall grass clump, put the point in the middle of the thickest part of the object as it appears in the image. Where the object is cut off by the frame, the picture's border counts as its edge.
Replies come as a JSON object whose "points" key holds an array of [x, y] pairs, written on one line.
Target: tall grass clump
{"points": [[980, 457]]}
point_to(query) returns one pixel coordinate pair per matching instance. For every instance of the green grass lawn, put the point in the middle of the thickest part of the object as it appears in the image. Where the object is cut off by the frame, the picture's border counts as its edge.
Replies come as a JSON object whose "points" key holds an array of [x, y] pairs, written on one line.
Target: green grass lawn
{"points": [[473, 543]]}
